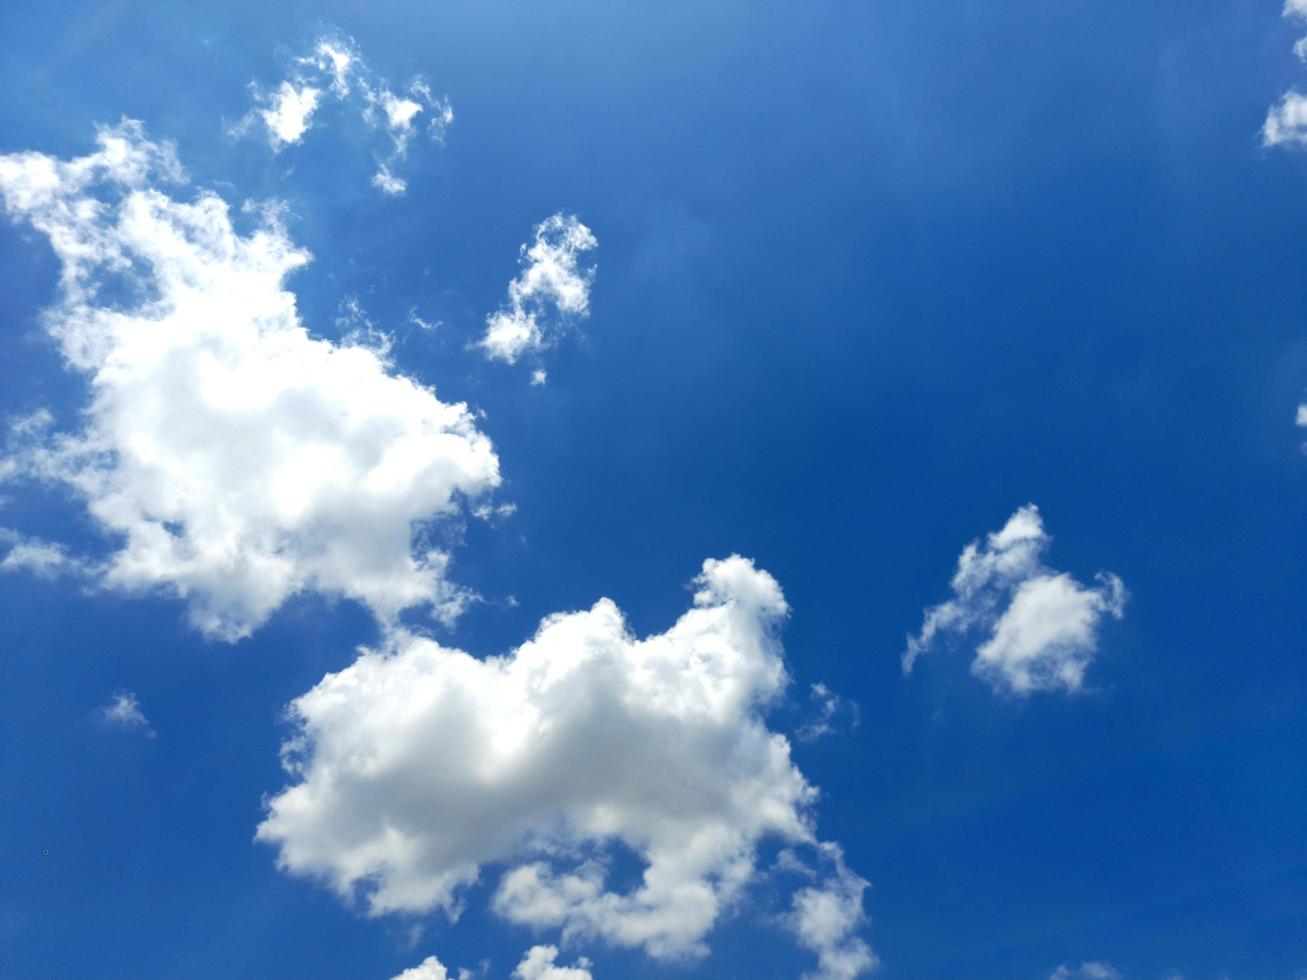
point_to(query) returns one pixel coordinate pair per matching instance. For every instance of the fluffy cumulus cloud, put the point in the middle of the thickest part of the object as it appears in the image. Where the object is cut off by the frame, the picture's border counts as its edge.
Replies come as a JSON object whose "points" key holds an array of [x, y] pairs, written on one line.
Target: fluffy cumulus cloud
{"points": [[540, 964], [1091, 970], [1286, 122], [826, 918], [335, 70], [551, 289], [230, 457], [124, 712], [418, 765], [1040, 626]]}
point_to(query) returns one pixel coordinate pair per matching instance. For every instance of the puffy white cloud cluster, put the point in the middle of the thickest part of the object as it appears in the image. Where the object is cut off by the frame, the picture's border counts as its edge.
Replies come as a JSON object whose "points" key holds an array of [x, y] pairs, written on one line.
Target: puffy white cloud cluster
{"points": [[539, 963], [335, 69], [826, 918], [1041, 625], [233, 459], [418, 765], [1286, 122], [1092, 970], [124, 711], [551, 278]]}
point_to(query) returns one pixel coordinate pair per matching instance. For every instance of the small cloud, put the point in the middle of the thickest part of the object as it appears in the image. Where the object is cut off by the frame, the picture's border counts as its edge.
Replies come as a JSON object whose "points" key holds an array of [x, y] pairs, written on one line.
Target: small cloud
{"points": [[43, 559], [429, 969], [1095, 970], [551, 280], [1286, 122], [1042, 626], [432, 969], [124, 712], [388, 183], [494, 515], [289, 113], [335, 69], [539, 964], [539, 377], [420, 323], [828, 709], [789, 863], [357, 329], [826, 918]]}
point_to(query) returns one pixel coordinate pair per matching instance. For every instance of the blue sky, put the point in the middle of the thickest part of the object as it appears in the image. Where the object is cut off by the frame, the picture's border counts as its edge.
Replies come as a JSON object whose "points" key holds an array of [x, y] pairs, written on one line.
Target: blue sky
{"points": [[870, 278]]}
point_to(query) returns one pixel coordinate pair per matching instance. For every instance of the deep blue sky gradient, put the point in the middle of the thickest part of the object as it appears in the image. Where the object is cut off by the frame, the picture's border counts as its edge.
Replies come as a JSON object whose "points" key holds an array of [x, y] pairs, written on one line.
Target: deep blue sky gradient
{"points": [[871, 276]]}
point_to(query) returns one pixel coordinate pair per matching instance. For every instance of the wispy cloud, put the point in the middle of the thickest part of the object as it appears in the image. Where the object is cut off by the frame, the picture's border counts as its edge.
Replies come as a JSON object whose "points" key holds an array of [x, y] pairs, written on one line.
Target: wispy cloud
{"points": [[829, 711], [335, 70], [1091, 970], [826, 918], [124, 712], [43, 559], [551, 290]]}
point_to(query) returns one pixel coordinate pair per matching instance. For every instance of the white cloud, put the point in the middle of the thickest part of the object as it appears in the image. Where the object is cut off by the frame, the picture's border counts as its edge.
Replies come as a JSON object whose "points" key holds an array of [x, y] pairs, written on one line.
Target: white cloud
{"points": [[432, 969], [288, 113], [1286, 122], [429, 969], [420, 323], [829, 708], [494, 515], [336, 68], [1049, 633], [419, 764], [335, 57], [399, 115], [124, 711], [1095, 970], [233, 459], [387, 182], [357, 329], [1042, 625], [44, 559], [826, 919], [550, 278], [538, 964]]}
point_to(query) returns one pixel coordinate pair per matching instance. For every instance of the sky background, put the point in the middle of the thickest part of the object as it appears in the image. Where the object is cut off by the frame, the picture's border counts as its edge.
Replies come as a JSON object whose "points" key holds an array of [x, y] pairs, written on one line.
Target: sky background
{"points": [[870, 277]]}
